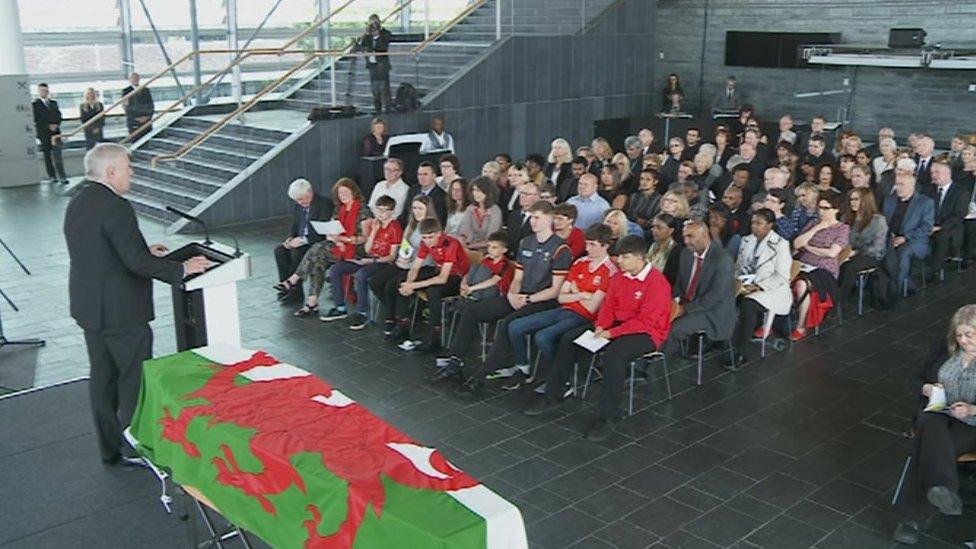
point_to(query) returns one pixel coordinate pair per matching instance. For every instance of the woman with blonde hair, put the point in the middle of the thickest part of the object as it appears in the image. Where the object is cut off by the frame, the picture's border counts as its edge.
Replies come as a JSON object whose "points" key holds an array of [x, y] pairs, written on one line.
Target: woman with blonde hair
{"points": [[617, 221], [602, 153], [559, 166], [90, 108], [675, 204], [930, 476], [336, 247]]}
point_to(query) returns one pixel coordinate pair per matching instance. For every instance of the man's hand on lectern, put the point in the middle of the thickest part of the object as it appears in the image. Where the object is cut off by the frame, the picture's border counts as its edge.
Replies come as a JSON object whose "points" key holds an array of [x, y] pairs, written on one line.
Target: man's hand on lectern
{"points": [[196, 265], [158, 250]]}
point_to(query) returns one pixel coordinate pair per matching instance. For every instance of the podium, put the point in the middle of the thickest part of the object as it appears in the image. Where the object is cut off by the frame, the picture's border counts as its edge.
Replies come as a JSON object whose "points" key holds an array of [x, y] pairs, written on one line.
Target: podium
{"points": [[205, 305]]}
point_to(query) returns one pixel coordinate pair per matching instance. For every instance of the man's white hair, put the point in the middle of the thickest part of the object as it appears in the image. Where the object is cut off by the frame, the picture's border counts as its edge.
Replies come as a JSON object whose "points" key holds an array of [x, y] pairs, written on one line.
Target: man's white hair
{"points": [[299, 188], [101, 157], [906, 165]]}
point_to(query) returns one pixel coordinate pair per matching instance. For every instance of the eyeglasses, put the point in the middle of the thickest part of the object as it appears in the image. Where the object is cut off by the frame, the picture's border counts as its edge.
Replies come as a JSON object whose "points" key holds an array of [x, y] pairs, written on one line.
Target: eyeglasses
{"points": [[828, 207]]}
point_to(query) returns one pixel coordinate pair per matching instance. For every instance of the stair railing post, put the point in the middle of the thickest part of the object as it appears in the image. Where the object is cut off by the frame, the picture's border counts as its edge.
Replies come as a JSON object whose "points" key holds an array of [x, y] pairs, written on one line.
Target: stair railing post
{"points": [[498, 19], [426, 19], [232, 44], [332, 78]]}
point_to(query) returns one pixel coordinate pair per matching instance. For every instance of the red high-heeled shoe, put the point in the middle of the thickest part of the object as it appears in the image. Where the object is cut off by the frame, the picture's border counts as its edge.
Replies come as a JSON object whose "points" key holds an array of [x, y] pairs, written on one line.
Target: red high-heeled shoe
{"points": [[797, 335]]}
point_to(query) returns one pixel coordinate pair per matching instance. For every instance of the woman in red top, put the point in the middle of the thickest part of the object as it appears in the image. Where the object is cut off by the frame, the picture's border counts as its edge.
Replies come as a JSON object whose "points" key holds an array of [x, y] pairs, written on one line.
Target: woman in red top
{"points": [[335, 247], [635, 317]]}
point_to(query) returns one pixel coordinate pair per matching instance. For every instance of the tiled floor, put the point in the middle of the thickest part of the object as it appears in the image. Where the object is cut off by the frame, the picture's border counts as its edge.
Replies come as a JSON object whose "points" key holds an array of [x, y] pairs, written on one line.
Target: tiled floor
{"points": [[803, 449]]}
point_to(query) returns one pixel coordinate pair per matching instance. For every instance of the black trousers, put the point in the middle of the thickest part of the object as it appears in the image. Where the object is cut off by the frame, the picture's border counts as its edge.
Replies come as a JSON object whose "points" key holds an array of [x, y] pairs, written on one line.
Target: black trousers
{"points": [[385, 282], [435, 296], [684, 327], [849, 269], [287, 259], [969, 229], [53, 162], [940, 439], [617, 356], [116, 357], [488, 310], [751, 315], [379, 82], [943, 244], [500, 354]]}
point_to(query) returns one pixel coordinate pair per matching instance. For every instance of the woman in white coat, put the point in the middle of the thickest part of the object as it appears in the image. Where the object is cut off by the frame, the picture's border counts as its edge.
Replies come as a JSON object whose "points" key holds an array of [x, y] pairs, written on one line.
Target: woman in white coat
{"points": [[763, 267]]}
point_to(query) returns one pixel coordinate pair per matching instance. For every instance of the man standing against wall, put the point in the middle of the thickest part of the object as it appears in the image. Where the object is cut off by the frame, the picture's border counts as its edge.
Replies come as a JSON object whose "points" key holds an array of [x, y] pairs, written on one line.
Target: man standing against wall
{"points": [[47, 125]]}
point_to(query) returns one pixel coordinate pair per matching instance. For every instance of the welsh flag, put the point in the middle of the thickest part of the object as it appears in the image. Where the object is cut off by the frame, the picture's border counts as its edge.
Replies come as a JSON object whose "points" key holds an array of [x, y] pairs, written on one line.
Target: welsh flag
{"points": [[284, 455]]}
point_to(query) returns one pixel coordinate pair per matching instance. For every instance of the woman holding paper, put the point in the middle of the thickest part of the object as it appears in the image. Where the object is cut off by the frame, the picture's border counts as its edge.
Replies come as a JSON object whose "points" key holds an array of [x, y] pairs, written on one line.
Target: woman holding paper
{"points": [[945, 432], [335, 247]]}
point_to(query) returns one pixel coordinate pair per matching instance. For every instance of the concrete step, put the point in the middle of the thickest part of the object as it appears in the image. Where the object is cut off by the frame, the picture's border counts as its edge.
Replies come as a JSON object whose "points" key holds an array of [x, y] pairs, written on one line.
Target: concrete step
{"points": [[206, 152], [171, 174], [150, 206], [248, 148], [235, 129], [212, 169], [166, 195]]}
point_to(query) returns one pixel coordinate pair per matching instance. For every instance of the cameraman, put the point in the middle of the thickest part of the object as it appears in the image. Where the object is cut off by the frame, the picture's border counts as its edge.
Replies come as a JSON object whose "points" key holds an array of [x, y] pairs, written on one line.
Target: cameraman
{"points": [[377, 40]]}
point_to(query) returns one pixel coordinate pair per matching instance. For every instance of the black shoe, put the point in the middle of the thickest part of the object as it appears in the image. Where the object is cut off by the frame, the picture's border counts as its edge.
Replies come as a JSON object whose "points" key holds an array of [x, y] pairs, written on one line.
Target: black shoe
{"points": [[334, 313], [737, 363], [398, 334], [945, 500], [388, 327], [125, 462], [358, 321], [471, 387], [540, 406], [431, 344], [599, 430], [906, 532], [445, 373]]}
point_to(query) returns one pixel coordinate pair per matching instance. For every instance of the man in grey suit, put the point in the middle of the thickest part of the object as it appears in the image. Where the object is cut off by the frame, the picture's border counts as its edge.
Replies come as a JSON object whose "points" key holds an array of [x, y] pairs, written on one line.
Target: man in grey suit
{"points": [[911, 217], [110, 289], [728, 98], [704, 289]]}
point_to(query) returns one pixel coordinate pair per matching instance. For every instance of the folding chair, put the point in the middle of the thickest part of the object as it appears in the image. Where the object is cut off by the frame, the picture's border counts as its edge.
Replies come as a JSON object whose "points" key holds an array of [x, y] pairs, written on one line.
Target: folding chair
{"points": [[648, 357]]}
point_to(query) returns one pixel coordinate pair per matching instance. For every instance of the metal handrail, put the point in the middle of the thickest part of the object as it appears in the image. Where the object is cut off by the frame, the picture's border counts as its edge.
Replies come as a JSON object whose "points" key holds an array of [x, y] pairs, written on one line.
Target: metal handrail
{"points": [[172, 66], [217, 126]]}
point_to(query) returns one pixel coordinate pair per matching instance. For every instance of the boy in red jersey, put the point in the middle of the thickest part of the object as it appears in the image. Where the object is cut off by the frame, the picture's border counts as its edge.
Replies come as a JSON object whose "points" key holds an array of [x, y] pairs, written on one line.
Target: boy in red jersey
{"points": [[635, 317]]}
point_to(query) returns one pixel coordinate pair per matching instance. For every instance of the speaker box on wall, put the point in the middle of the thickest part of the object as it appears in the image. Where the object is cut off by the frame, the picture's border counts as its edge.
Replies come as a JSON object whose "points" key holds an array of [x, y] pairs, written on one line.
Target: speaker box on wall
{"points": [[906, 38]]}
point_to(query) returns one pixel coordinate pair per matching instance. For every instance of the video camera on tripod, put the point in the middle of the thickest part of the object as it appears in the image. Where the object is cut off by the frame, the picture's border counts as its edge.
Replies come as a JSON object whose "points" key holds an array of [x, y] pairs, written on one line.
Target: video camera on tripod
{"points": [[3, 340]]}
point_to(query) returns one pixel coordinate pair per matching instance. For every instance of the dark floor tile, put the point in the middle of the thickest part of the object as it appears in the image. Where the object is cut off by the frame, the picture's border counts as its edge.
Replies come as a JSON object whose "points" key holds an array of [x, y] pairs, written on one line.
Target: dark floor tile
{"points": [[780, 490], [722, 483], [816, 515], [685, 540], [844, 496], [580, 483], [735, 439], [563, 528], [575, 453], [530, 473], [629, 459], [592, 542], [758, 463], [852, 536], [695, 498], [663, 516], [611, 503], [786, 533], [755, 508], [625, 535], [655, 481], [545, 500], [695, 460], [722, 525]]}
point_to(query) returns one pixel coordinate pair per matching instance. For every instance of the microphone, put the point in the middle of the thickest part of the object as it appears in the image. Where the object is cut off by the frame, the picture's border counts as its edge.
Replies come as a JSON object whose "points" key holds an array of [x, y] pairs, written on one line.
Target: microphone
{"points": [[195, 219]]}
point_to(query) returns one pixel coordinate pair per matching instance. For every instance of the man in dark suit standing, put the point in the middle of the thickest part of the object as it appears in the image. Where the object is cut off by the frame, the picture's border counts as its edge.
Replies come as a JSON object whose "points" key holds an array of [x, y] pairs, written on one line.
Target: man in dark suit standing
{"points": [[47, 124], [704, 289], [951, 206], [110, 289], [427, 178], [139, 108], [377, 40], [309, 206]]}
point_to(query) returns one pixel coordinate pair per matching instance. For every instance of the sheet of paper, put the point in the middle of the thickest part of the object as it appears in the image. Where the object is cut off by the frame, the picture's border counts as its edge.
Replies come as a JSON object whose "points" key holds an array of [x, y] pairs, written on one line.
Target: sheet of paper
{"points": [[747, 279], [590, 342], [327, 228], [807, 268], [937, 400]]}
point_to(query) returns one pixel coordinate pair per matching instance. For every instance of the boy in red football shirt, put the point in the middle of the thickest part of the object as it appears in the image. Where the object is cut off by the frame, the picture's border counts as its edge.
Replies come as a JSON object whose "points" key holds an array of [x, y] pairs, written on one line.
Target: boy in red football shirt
{"points": [[563, 219], [383, 235], [635, 317], [494, 271], [442, 280]]}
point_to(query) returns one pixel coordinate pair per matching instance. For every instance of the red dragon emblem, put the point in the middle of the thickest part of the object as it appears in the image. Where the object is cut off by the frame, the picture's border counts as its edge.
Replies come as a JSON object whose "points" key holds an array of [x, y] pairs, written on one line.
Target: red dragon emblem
{"points": [[305, 414]]}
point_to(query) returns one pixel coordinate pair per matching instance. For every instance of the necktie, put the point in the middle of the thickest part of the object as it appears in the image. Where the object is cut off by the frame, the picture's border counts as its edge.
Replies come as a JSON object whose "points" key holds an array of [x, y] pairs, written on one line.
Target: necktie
{"points": [[921, 167], [695, 279], [942, 191], [305, 222]]}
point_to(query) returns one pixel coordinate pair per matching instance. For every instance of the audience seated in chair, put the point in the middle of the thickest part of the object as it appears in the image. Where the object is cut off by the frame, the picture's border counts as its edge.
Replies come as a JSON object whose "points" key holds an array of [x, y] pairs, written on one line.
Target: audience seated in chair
{"points": [[951, 204], [483, 216], [309, 206], [930, 474], [564, 225], [911, 217], [590, 206], [868, 237], [665, 250], [635, 317]]}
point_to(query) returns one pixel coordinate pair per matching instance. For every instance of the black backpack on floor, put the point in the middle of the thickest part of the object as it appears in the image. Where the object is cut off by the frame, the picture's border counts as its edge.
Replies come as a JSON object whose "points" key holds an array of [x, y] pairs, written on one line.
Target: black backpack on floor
{"points": [[406, 98]]}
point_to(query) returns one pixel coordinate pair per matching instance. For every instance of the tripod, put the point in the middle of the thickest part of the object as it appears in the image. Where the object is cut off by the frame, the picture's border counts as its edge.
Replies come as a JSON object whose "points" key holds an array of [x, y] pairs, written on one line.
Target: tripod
{"points": [[3, 339]]}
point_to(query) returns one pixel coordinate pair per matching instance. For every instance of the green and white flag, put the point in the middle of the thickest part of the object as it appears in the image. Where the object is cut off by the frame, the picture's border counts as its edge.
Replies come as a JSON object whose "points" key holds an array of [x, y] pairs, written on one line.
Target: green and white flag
{"points": [[284, 455]]}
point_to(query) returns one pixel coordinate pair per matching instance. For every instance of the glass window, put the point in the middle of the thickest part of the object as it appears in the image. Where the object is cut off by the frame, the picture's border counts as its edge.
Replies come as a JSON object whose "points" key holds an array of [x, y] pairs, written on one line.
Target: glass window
{"points": [[55, 15]]}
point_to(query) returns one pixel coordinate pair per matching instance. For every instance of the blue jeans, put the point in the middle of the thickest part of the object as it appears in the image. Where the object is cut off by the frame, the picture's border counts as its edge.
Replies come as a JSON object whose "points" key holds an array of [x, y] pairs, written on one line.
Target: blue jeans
{"points": [[547, 326]]}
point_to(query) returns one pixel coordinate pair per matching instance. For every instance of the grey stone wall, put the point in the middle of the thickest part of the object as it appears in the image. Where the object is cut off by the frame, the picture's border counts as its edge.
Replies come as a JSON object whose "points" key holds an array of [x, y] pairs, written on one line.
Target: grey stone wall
{"points": [[908, 100]]}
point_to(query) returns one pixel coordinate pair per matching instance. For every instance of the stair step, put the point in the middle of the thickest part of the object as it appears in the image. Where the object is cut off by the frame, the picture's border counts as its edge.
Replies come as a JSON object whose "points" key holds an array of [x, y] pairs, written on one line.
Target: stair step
{"points": [[170, 196], [265, 134], [175, 175], [216, 170], [248, 147], [205, 152], [150, 206]]}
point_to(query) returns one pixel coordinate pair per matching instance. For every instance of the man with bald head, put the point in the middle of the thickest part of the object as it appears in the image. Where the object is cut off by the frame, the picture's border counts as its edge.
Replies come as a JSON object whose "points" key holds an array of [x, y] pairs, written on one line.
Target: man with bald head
{"points": [[590, 206], [704, 289], [110, 290]]}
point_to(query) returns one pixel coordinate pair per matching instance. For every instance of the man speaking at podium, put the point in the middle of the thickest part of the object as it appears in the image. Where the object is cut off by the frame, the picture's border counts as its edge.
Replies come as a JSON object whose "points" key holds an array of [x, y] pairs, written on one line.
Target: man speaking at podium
{"points": [[110, 288]]}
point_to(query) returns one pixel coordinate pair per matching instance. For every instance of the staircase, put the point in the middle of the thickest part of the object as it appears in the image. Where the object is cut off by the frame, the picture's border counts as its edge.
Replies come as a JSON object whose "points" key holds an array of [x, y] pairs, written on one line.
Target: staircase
{"points": [[229, 156]]}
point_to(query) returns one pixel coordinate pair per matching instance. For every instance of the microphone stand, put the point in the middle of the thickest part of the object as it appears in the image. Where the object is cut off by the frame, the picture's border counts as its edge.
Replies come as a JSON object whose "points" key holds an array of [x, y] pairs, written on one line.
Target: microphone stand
{"points": [[3, 339]]}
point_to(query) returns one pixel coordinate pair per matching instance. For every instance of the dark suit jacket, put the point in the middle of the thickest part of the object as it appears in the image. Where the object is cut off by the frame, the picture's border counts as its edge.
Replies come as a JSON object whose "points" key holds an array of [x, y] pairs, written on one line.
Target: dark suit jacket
{"points": [[517, 230], [918, 222], [380, 45], [140, 104], [715, 295], [923, 178], [669, 171], [564, 182], [111, 271], [44, 116], [321, 209], [954, 208], [436, 194]]}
